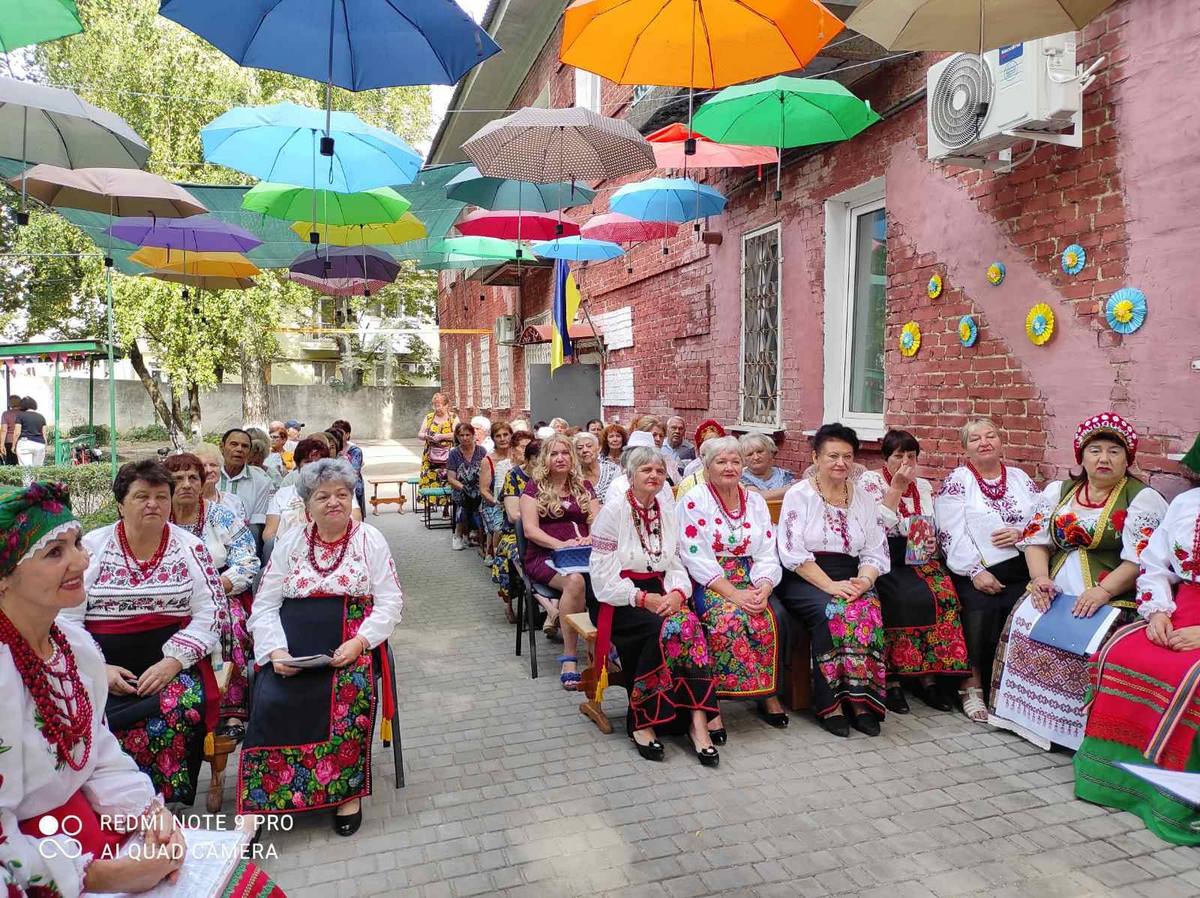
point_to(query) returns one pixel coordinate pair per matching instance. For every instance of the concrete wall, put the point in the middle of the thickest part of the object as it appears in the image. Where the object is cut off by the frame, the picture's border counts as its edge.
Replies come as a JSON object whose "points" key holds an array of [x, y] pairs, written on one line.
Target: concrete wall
{"points": [[373, 412]]}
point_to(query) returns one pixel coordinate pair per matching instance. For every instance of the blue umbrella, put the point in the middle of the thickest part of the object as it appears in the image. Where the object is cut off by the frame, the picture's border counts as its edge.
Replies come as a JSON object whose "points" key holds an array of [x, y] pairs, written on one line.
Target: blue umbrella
{"points": [[667, 199], [279, 143], [506, 194], [577, 249]]}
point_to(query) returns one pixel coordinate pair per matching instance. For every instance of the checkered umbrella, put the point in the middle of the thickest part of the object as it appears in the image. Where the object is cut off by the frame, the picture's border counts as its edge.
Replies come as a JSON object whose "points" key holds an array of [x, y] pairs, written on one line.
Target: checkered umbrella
{"points": [[548, 145]]}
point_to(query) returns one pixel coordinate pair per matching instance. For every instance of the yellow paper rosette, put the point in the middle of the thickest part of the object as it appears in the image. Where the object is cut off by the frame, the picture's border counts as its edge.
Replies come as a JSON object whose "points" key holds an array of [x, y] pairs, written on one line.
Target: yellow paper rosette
{"points": [[910, 339], [995, 273], [1039, 324], [934, 288]]}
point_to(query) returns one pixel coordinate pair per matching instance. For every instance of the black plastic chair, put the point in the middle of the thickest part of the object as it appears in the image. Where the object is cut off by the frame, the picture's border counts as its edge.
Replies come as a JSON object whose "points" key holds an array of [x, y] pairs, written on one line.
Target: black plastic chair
{"points": [[397, 746], [528, 603]]}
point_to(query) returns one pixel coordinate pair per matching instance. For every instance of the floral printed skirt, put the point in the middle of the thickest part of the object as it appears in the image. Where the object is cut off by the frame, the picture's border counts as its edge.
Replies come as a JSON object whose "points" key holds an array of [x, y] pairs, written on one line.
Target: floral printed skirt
{"points": [[237, 652], [743, 646], [503, 563], [923, 626], [308, 742], [433, 477]]}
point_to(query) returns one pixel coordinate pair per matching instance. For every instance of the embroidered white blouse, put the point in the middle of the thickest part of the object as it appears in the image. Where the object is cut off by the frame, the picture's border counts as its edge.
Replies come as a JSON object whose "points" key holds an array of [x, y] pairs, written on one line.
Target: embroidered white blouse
{"points": [[185, 585], [1172, 556], [706, 536], [616, 547], [808, 525], [366, 570], [960, 493], [231, 545], [895, 523], [32, 783]]}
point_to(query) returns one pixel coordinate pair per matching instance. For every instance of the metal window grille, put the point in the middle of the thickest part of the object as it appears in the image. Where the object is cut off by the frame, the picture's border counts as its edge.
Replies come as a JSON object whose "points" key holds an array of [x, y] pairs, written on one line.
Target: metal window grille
{"points": [[760, 327]]}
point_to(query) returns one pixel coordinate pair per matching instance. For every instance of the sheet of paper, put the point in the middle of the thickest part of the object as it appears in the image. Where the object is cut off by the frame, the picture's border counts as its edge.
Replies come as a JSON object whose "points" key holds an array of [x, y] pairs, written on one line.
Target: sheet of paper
{"points": [[1079, 635], [1185, 786], [212, 856], [980, 526], [309, 662]]}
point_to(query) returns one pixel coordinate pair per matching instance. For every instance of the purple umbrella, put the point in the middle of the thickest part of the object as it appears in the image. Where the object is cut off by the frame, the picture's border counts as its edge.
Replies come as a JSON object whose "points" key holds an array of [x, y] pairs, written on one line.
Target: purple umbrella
{"points": [[337, 262], [196, 234]]}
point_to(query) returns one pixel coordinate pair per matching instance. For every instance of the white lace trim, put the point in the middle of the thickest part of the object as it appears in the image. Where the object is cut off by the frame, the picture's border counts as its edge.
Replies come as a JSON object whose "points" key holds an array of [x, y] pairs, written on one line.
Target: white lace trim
{"points": [[50, 537]]}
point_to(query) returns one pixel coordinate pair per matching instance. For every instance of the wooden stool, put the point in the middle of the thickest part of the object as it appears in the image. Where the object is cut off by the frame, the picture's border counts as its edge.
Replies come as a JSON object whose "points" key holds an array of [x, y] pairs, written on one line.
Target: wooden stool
{"points": [[398, 499], [586, 630], [222, 748], [435, 493]]}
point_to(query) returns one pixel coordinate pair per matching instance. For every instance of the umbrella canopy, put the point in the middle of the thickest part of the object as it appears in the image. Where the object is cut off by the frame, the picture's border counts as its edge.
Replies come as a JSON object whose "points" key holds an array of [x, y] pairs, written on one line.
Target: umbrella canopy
{"points": [[667, 199], [378, 206], [969, 27], [694, 43], [338, 286], [355, 45], [445, 262], [202, 281], [407, 227], [56, 127], [197, 234], [123, 192], [618, 228], [470, 187], [578, 249], [549, 145], [480, 248], [670, 144], [339, 262], [228, 265], [515, 226], [26, 22], [281, 143]]}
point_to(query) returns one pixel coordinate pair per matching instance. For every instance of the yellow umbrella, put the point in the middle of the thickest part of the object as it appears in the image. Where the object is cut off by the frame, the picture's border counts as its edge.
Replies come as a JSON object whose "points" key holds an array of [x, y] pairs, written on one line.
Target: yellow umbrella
{"points": [[407, 227], [233, 265]]}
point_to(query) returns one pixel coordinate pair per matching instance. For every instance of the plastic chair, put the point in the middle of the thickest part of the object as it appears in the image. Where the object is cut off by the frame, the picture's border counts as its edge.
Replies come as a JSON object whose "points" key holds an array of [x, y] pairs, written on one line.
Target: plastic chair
{"points": [[527, 604]]}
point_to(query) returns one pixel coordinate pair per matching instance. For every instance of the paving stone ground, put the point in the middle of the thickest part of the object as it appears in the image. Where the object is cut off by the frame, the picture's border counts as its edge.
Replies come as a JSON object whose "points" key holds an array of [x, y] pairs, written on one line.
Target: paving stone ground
{"points": [[511, 791]]}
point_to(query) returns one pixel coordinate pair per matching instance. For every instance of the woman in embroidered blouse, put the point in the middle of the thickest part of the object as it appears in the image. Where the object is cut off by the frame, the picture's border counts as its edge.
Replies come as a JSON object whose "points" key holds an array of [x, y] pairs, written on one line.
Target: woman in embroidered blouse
{"points": [[329, 589], [1145, 704], [727, 542], [156, 608], [643, 587], [557, 509], [437, 433], [761, 474], [286, 509], [491, 481], [522, 452], [921, 615], [981, 512], [598, 471], [832, 548], [1082, 547], [231, 546], [462, 473]]}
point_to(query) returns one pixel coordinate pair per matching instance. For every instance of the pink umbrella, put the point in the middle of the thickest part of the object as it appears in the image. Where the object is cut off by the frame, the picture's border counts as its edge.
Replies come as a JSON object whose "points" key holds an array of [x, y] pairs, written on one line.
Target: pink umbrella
{"points": [[510, 225], [618, 228], [670, 150], [338, 286]]}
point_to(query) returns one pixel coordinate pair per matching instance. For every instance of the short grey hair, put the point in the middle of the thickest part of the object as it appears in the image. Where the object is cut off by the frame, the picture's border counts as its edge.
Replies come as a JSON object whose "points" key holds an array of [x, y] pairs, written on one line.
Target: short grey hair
{"points": [[717, 445], [327, 470], [675, 418], [585, 436], [634, 458], [748, 442]]}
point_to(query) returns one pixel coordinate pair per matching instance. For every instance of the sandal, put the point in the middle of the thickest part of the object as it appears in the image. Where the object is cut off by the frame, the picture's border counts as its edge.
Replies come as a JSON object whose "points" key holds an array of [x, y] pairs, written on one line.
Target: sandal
{"points": [[570, 678], [509, 614], [972, 704], [551, 624]]}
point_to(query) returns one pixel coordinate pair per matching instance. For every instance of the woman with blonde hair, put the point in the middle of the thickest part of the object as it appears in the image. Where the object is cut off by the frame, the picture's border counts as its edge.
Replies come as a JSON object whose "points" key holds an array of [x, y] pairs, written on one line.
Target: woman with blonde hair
{"points": [[557, 509]]}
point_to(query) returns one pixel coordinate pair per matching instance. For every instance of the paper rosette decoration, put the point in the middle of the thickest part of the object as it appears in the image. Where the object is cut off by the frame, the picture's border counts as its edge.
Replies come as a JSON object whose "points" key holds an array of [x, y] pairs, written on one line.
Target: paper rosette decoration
{"points": [[910, 339], [1074, 257], [968, 330], [1039, 324], [1126, 310], [995, 273], [935, 286]]}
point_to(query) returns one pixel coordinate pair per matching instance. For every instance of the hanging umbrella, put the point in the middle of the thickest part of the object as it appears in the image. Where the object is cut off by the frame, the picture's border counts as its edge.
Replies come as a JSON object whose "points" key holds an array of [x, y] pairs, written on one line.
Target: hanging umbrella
{"points": [[405, 228], [196, 234], [578, 249], [618, 228], [27, 22], [366, 262], [229, 265], [515, 226], [280, 143], [667, 199], [121, 192], [490, 248], [378, 206], [210, 282], [444, 262], [549, 145], [784, 112], [969, 27], [474, 189], [338, 286], [671, 144]]}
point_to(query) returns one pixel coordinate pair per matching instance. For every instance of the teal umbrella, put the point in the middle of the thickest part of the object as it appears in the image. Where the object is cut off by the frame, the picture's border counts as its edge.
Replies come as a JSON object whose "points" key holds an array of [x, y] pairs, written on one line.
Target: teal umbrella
{"points": [[490, 248], [26, 22], [784, 112]]}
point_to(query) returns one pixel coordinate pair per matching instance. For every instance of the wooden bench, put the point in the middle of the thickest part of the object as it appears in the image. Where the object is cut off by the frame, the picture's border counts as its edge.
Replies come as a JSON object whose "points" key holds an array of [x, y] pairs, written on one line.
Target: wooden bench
{"points": [[398, 499], [795, 680], [582, 625]]}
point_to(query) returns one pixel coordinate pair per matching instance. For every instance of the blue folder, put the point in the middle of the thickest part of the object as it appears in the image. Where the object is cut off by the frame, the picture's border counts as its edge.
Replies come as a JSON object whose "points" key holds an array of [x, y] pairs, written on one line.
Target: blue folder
{"points": [[1060, 629]]}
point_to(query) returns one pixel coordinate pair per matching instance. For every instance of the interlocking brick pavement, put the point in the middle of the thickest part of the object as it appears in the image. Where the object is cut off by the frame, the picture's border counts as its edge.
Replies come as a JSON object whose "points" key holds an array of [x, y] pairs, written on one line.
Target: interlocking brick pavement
{"points": [[511, 791]]}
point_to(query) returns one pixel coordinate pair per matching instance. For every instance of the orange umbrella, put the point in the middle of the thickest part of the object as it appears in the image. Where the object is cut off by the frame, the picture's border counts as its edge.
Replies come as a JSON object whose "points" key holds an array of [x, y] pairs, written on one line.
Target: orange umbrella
{"points": [[670, 146], [230, 265]]}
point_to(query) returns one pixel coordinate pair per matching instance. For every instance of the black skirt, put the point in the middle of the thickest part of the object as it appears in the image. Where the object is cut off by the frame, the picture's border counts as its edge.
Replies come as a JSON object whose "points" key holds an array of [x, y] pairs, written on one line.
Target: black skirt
{"points": [[984, 615]]}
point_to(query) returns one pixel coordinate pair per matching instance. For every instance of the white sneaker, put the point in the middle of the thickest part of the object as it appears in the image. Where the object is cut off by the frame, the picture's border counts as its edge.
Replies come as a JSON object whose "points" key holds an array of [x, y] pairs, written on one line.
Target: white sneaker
{"points": [[457, 544]]}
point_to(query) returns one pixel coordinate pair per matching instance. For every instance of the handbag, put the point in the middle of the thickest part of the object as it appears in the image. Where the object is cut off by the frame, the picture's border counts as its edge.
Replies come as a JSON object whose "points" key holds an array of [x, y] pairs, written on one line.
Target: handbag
{"points": [[439, 454]]}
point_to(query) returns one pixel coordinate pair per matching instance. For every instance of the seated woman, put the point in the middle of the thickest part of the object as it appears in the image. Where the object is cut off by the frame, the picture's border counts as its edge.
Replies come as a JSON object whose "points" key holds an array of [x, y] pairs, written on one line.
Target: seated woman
{"points": [[329, 589], [521, 455], [231, 546], [491, 481], [353, 454], [1082, 546], [833, 550], [692, 474], [462, 473], [156, 608], [727, 542], [557, 509], [643, 585], [619, 485], [981, 512], [761, 475], [1145, 705], [921, 615], [599, 472], [612, 443], [210, 457]]}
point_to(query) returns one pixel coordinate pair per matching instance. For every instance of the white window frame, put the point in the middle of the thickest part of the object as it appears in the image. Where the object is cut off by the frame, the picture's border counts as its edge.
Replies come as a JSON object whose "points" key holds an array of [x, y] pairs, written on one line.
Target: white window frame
{"points": [[778, 422], [469, 369], [841, 213], [485, 373], [589, 91]]}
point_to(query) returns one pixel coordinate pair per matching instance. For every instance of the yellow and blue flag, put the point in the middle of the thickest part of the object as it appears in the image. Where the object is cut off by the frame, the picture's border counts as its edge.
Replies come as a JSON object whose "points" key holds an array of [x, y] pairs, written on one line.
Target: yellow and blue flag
{"points": [[562, 313]]}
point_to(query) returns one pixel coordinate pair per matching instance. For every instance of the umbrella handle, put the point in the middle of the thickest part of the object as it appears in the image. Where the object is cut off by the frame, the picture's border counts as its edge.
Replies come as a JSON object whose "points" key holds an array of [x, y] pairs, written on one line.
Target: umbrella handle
{"points": [[327, 140]]}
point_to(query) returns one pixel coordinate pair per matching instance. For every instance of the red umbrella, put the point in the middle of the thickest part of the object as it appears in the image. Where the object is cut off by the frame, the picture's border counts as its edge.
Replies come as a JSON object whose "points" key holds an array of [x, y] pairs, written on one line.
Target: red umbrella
{"points": [[670, 146], [516, 225], [618, 228]]}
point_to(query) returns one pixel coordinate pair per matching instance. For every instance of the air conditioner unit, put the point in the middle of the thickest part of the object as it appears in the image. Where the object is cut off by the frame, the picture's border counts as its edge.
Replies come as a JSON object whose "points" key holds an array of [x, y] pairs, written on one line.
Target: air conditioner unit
{"points": [[980, 107], [505, 330]]}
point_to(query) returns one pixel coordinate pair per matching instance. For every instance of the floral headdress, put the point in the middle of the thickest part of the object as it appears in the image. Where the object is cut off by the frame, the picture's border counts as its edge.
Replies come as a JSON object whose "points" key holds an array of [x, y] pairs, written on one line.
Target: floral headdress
{"points": [[31, 517], [1106, 424], [707, 430]]}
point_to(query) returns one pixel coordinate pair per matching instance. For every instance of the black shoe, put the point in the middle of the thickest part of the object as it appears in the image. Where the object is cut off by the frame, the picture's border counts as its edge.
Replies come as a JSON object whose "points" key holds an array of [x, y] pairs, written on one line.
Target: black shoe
{"points": [[719, 737], [708, 757], [778, 720], [866, 722], [935, 698], [837, 724], [896, 701], [347, 824], [654, 751]]}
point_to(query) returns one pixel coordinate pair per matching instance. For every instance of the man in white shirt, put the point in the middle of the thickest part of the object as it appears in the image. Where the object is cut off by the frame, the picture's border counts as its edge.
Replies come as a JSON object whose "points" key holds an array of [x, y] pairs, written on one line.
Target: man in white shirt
{"points": [[248, 483]]}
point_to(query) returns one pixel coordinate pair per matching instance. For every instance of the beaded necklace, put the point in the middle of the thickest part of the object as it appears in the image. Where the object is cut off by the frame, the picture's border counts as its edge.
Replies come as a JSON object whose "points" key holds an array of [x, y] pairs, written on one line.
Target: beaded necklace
{"points": [[1192, 565], [196, 529], [340, 546], [911, 493], [147, 567], [62, 703], [731, 518], [648, 524], [991, 491]]}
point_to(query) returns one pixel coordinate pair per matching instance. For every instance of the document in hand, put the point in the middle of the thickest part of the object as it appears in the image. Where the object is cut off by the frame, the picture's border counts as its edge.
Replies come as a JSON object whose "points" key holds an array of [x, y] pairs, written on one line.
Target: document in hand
{"points": [[310, 662], [212, 856], [980, 526], [1078, 635]]}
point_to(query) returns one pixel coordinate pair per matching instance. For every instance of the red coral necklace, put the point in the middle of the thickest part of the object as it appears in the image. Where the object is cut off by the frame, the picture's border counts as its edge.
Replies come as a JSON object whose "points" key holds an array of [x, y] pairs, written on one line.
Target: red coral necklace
{"points": [[338, 546], [912, 493], [991, 491], [648, 524], [147, 567]]}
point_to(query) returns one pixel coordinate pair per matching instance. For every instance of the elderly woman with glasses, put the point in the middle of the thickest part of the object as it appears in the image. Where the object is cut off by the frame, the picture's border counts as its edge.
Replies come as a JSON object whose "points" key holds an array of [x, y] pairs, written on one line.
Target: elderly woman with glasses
{"points": [[329, 591]]}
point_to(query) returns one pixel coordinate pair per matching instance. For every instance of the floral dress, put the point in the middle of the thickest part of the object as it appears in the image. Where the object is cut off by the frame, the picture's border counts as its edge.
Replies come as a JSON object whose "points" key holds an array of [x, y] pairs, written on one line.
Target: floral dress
{"points": [[505, 558], [433, 474]]}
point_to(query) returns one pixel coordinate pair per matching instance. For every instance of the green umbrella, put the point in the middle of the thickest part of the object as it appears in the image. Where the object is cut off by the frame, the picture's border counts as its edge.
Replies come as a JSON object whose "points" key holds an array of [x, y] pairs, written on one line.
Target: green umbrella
{"points": [[784, 112], [25, 22], [491, 249], [289, 203]]}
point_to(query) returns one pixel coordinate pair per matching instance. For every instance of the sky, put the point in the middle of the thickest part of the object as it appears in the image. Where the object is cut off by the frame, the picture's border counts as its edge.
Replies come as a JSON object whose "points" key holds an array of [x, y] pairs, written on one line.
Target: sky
{"points": [[442, 92]]}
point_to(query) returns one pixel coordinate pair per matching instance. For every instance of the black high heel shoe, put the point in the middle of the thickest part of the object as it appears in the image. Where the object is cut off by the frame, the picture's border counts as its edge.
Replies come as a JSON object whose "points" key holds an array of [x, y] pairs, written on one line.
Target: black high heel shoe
{"points": [[777, 719], [708, 757], [718, 737], [654, 751], [837, 725], [347, 824]]}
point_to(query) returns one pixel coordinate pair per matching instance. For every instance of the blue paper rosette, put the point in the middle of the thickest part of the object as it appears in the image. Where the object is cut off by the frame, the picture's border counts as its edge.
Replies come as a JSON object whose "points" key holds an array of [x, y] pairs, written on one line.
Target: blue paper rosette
{"points": [[968, 330], [1074, 257], [1126, 310]]}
